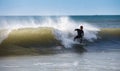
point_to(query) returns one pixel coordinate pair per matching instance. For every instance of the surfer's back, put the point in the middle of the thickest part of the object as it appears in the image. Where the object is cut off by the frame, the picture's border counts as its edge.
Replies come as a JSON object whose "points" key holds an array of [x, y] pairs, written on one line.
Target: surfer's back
{"points": [[79, 32]]}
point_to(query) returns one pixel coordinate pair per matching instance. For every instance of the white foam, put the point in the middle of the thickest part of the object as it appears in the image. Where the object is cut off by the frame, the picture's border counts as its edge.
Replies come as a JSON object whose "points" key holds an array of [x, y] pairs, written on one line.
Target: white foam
{"points": [[4, 34], [65, 64], [11, 66]]}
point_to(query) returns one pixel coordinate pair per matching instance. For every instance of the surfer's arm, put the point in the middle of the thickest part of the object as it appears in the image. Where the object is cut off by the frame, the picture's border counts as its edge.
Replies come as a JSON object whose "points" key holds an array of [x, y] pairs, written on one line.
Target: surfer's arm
{"points": [[76, 29]]}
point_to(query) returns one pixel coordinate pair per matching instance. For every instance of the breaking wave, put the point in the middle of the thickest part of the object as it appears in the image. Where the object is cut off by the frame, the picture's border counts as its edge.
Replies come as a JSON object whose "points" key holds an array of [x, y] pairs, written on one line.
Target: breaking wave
{"points": [[43, 31]]}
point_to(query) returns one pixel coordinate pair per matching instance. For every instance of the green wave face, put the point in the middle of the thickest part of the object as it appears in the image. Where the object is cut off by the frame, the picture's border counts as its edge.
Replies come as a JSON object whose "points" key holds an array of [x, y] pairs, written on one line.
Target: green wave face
{"points": [[31, 37], [109, 32]]}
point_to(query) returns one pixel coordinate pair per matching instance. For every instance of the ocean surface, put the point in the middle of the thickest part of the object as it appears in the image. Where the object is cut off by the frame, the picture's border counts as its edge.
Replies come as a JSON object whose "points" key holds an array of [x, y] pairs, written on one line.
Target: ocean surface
{"points": [[45, 43]]}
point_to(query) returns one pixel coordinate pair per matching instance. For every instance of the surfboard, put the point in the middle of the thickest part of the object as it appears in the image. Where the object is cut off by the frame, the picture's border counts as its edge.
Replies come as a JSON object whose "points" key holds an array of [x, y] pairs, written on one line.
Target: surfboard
{"points": [[80, 44], [79, 47]]}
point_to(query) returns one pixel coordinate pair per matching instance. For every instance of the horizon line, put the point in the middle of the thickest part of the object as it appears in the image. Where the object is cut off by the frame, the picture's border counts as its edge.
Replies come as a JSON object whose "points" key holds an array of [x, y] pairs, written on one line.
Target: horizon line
{"points": [[67, 15]]}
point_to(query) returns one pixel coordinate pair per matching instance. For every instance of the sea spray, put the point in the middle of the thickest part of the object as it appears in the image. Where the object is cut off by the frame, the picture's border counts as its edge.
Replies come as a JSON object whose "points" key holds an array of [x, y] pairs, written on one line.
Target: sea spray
{"points": [[63, 27], [4, 34], [64, 38], [90, 32]]}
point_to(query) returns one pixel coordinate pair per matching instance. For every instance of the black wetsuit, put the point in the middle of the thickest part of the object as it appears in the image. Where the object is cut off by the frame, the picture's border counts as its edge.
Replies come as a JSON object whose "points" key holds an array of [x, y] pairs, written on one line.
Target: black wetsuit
{"points": [[80, 34]]}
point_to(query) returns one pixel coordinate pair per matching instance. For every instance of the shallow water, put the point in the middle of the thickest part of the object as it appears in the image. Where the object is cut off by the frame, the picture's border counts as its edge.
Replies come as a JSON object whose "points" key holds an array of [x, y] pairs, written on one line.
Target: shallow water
{"points": [[88, 61]]}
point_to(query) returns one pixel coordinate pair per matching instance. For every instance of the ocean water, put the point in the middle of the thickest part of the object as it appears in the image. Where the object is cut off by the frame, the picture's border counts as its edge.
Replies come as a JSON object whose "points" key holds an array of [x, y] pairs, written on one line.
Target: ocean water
{"points": [[45, 43]]}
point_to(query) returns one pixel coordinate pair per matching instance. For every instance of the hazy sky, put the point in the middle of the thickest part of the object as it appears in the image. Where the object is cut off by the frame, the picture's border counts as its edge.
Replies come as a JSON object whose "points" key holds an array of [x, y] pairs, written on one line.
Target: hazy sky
{"points": [[59, 7]]}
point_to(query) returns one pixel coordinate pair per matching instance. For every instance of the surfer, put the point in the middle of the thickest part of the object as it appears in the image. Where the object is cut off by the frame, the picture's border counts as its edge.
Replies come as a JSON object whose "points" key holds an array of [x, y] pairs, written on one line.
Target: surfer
{"points": [[80, 34]]}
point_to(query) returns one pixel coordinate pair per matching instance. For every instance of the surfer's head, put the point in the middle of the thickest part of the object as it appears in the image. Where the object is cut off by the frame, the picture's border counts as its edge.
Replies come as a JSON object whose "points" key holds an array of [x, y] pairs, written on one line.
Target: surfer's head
{"points": [[81, 27]]}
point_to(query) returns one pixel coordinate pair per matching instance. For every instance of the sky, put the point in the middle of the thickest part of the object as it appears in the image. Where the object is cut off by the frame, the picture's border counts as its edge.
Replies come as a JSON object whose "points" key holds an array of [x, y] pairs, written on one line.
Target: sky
{"points": [[59, 7]]}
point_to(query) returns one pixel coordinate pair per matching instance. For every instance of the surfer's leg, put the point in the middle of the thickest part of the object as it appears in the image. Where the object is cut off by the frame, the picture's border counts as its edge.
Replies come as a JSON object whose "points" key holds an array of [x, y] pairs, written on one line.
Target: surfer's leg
{"points": [[75, 38], [81, 39]]}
